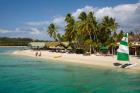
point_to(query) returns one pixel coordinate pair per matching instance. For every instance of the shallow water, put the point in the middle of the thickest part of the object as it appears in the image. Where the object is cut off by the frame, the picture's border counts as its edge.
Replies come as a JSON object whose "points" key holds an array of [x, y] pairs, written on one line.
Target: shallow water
{"points": [[31, 75]]}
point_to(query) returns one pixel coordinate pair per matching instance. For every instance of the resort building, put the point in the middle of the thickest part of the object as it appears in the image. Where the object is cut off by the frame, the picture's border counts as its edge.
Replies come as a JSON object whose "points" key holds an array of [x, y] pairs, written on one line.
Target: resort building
{"points": [[65, 47], [135, 48]]}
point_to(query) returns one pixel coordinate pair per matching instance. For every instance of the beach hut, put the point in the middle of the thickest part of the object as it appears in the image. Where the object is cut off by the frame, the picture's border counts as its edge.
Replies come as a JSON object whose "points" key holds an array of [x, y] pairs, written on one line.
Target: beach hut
{"points": [[134, 49], [65, 44], [57, 46], [69, 48], [52, 45]]}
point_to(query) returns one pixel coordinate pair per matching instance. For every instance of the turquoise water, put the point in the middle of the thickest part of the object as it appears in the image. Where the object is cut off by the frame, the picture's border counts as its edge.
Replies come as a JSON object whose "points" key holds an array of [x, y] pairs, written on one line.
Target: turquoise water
{"points": [[30, 75]]}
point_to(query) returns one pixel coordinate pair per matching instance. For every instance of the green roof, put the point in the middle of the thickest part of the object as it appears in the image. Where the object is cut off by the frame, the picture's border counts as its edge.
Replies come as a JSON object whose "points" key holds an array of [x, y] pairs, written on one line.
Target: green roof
{"points": [[103, 48]]}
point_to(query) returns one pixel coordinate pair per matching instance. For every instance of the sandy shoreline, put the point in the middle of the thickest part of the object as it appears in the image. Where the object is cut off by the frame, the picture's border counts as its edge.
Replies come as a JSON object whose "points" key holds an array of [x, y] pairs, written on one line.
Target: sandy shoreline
{"points": [[104, 61], [11, 46]]}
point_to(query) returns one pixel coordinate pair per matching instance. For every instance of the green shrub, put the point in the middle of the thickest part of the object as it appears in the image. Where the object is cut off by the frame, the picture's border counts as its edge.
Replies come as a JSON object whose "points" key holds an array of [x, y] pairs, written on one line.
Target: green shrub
{"points": [[79, 51]]}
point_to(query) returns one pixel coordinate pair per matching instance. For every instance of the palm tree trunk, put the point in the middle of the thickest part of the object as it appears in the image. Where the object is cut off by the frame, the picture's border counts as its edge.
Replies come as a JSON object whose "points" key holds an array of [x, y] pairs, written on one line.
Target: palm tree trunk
{"points": [[90, 45], [90, 48], [135, 51], [112, 51], [94, 50]]}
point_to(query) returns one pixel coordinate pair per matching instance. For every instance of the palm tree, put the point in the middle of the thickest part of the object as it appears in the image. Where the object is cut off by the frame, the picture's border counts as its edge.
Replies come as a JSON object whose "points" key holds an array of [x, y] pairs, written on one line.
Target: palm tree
{"points": [[87, 25], [120, 35], [112, 42], [106, 27], [70, 28], [59, 37], [109, 24], [52, 31]]}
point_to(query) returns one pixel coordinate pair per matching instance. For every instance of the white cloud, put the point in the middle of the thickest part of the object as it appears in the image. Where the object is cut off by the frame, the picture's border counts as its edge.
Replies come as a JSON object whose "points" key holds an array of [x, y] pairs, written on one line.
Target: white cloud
{"points": [[86, 9], [25, 31], [29, 30], [2, 31], [126, 15], [38, 23], [120, 12], [35, 31], [59, 21]]}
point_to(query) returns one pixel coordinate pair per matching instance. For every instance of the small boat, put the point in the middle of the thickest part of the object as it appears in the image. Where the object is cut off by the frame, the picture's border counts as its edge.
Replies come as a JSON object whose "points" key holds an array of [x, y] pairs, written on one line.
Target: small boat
{"points": [[57, 56], [123, 54]]}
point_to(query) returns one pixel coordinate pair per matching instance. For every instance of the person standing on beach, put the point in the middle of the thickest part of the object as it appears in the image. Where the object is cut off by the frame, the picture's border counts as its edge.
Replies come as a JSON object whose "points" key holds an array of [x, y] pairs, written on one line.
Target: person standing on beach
{"points": [[39, 54]]}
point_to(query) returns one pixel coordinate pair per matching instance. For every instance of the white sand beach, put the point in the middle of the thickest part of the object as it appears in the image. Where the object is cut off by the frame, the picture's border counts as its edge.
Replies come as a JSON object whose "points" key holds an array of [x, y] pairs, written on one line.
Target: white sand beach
{"points": [[104, 61]]}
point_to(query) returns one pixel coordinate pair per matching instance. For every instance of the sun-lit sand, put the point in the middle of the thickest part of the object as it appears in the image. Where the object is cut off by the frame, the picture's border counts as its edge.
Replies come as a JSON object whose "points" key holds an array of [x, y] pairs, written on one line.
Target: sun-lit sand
{"points": [[104, 61]]}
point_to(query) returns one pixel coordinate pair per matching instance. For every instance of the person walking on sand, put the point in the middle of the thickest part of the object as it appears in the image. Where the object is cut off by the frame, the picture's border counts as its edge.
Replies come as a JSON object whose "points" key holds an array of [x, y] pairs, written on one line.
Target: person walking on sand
{"points": [[36, 54]]}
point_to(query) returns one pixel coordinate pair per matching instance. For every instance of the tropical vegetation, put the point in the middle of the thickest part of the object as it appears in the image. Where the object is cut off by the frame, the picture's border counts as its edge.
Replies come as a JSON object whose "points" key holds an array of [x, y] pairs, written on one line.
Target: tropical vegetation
{"points": [[88, 33]]}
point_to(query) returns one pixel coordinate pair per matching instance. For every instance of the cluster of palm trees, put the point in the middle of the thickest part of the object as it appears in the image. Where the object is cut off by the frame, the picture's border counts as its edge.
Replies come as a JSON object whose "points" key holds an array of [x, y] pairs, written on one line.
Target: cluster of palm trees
{"points": [[87, 32]]}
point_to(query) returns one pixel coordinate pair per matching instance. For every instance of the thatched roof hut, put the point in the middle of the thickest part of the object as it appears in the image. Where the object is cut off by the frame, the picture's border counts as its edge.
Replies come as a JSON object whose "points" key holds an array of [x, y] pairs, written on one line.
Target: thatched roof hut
{"points": [[49, 45], [56, 45], [37, 44]]}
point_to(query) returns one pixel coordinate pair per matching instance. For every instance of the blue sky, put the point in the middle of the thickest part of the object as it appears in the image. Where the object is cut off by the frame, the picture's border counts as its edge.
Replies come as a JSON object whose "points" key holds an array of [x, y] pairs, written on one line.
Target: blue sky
{"points": [[18, 17]]}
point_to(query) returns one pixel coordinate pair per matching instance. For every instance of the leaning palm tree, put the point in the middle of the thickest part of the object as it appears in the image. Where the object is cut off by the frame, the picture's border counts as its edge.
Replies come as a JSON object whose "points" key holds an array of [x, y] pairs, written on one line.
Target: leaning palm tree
{"points": [[59, 37], [52, 31]]}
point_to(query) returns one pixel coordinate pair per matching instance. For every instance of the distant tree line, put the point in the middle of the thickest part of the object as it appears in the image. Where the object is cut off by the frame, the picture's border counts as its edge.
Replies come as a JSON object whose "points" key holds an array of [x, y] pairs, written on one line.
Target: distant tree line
{"points": [[5, 41]]}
